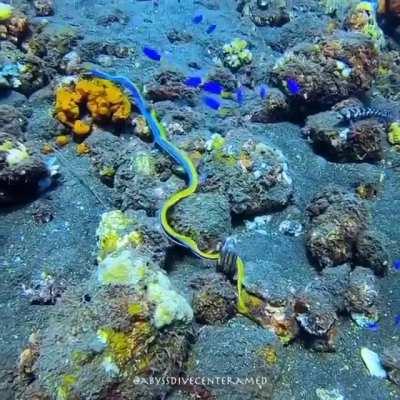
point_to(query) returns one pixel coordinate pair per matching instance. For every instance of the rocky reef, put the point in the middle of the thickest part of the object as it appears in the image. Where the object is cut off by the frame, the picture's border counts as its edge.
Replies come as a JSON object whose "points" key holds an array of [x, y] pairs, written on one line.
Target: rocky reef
{"points": [[223, 227]]}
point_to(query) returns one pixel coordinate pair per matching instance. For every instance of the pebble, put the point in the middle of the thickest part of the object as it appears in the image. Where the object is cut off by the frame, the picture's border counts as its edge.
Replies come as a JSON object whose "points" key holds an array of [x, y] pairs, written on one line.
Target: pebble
{"points": [[291, 228], [373, 363], [326, 394]]}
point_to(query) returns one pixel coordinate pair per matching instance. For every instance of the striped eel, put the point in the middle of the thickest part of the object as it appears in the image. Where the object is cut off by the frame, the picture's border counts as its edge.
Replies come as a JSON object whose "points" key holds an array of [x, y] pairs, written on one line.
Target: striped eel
{"points": [[225, 258]]}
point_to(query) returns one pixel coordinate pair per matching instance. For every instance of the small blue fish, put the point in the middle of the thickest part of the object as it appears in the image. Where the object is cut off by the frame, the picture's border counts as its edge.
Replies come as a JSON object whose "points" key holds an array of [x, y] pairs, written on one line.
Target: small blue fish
{"points": [[151, 53], [193, 81], [211, 29], [373, 326], [264, 91], [397, 321], [211, 102], [197, 19], [396, 265], [213, 87], [240, 95], [293, 86]]}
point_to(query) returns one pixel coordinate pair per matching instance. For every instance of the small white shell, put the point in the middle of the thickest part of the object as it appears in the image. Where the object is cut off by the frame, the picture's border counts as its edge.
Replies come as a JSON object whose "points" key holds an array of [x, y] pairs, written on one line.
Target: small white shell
{"points": [[373, 363]]}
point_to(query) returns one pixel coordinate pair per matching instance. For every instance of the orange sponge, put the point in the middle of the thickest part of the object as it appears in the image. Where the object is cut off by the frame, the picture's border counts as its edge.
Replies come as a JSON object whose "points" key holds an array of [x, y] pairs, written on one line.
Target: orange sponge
{"points": [[81, 128], [102, 99]]}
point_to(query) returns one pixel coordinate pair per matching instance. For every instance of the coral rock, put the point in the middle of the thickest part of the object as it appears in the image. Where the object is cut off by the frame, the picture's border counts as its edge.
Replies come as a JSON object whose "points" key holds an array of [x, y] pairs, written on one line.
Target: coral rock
{"points": [[12, 120], [252, 175], [22, 174], [339, 140], [322, 79], [362, 294], [338, 232], [274, 109], [266, 12], [215, 301], [43, 8], [391, 360], [15, 29]]}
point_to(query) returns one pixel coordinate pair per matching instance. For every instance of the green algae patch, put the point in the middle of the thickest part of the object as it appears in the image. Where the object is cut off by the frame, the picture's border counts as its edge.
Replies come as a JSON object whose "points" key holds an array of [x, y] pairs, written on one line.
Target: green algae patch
{"points": [[64, 391]]}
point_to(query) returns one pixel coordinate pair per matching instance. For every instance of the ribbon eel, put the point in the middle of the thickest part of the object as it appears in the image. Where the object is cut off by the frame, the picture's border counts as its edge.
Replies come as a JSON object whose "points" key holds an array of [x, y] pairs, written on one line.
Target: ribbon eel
{"points": [[160, 138]]}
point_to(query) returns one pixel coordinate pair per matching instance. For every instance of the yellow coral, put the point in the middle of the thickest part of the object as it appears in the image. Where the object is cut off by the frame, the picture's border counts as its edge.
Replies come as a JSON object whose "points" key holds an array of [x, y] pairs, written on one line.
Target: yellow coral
{"points": [[363, 19], [135, 238], [103, 99], [47, 148], [141, 128], [82, 148], [236, 54], [16, 152], [107, 171], [6, 11], [62, 140], [394, 134]]}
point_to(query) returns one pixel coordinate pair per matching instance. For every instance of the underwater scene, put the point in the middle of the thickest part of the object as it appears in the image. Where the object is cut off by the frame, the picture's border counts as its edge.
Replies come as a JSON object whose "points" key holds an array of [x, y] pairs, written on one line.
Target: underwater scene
{"points": [[199, 200]]}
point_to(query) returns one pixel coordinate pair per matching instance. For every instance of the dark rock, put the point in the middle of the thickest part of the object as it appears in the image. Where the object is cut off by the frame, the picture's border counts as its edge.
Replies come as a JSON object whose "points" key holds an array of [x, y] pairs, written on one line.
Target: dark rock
{"points": [[215, 301], [266, 12], [106, 154], [370, 252], [43, 213], [214, 356], [43, 8], [185, 116], [317, 307], [12, 98], [170, 86], [336, 281], [391, 362], [176, 36], [346, 141], [12, 121], [337, 218], [22, 174], [143, 180], [117, 17], [274, 109], [362, 293], [90, 51], [44, 291], [227, 79], [42, 125], [338, 232], [296, 31], [205, 217]]}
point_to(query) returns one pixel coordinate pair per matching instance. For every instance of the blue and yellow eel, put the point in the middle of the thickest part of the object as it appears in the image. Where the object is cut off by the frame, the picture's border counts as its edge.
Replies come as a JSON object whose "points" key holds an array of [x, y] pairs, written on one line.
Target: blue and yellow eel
{"points": [[161, 139]]}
